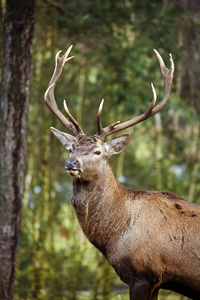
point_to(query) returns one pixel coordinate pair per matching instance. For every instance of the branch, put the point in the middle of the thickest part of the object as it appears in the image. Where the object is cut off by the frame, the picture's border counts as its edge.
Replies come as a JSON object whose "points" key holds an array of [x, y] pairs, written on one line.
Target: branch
{"points": [[59, 8]]}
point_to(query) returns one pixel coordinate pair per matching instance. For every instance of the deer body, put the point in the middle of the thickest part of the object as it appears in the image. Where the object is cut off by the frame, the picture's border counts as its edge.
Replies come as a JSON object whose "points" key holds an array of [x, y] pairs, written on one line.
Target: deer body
{"points": [[150, 238]]}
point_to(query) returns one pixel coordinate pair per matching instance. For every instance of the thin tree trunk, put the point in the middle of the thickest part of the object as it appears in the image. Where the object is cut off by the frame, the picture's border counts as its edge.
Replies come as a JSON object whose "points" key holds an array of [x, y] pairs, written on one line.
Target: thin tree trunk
{"points": [[194, 171], [14, 102], [158, 151], [172, 148]]}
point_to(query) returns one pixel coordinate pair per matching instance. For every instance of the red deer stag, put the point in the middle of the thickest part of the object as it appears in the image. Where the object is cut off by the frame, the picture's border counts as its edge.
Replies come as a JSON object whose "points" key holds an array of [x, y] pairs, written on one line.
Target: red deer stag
{"points": [[150, 238]]}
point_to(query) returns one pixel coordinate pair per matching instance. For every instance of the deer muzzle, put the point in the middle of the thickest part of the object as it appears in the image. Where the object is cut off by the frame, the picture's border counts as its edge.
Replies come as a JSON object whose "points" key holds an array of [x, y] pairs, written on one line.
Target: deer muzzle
{"points": [[73, 167]]}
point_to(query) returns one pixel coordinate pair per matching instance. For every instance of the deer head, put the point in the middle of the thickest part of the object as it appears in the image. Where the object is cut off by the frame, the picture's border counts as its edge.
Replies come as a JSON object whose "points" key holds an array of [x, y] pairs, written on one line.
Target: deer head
{"points": [[93, 148]]}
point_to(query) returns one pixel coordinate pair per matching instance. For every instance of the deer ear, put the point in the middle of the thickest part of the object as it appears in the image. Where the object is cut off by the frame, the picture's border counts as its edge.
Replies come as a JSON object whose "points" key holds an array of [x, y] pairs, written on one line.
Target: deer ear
{"points": [[117, 144], [66, 139]]}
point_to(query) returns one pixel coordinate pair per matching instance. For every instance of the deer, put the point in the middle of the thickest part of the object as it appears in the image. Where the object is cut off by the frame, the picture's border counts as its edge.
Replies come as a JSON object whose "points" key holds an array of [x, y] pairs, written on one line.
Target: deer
{"points": [[150, 238]]}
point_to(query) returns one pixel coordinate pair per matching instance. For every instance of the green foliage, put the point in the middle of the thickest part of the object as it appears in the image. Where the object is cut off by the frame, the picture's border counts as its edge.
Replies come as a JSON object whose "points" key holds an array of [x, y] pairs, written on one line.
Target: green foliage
{"points": [[113, 42]]}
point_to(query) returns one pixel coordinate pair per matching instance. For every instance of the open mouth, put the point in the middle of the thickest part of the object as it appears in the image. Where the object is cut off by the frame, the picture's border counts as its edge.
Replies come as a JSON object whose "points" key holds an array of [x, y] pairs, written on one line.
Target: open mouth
{"points": [[74, 172]]}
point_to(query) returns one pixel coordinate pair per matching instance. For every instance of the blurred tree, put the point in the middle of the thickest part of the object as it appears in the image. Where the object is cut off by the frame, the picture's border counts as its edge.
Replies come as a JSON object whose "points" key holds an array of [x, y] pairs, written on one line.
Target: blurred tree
{"points": [[14, 99]]}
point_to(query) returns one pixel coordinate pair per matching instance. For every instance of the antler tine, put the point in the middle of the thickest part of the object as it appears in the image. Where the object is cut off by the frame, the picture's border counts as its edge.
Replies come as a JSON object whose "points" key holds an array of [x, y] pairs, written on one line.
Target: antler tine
{"points": [[152, 110], [49, 97], [71, 119], [102, 132], [99, 127], [168, 78]]}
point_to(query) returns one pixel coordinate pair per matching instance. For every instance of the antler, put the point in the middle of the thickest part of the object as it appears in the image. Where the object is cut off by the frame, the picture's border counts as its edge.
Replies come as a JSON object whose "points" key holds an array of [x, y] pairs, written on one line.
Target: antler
{"points": [[115, 127], [49, 98]]}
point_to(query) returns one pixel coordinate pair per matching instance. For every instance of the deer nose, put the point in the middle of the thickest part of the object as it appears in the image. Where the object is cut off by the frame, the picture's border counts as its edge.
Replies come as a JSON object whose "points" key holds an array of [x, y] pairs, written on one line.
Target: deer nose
{"points": [[72, 163]]}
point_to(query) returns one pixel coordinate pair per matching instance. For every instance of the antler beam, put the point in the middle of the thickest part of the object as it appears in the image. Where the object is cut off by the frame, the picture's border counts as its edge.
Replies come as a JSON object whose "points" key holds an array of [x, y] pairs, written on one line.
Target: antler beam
{"points": [[49, 97], [152, 110]]}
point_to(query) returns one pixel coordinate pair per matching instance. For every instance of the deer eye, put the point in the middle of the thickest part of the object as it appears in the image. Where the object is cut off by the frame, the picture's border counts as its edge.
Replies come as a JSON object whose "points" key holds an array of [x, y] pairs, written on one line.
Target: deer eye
{"points": [[97, 152]]}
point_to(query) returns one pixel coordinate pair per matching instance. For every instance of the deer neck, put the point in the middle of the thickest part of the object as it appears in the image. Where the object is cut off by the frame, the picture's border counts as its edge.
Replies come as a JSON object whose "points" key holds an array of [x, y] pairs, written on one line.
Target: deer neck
{"points": [[100, 197], [97, 189]]}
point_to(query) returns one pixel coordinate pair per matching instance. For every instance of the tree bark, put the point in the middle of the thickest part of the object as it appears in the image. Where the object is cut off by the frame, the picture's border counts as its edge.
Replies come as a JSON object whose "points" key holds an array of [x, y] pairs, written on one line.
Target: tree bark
{"points": [[14, 102]]}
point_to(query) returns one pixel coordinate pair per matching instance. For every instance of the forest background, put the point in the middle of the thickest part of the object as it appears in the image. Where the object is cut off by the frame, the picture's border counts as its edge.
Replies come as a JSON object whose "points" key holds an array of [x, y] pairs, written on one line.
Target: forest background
{"points": [[114, 59]]}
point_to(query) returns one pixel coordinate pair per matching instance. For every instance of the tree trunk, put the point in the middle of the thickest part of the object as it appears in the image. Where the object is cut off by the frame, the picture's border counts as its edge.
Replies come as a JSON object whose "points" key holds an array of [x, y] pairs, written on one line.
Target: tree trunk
{"points": [[14, 102], [158, 151]]}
